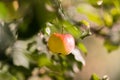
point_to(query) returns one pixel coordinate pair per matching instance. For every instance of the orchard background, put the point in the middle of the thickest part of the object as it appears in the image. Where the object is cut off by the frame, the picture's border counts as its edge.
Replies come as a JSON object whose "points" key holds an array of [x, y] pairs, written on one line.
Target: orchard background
{"points": [[25, 27]]}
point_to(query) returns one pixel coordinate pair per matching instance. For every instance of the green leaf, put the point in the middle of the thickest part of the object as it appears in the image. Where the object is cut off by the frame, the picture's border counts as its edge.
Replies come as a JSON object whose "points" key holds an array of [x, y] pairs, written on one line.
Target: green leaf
{"points": [[82, 47], [3, 10], [7, 12], [72, 29], [94, 77], [108, 19], [91, 13], [20, 75], [44, 60], [6, 76], [84, 22], [109, 46], [117, 4]]}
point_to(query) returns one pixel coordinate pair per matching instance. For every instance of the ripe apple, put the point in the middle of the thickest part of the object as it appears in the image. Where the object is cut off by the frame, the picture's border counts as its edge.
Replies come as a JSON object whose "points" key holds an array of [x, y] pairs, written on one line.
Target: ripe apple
{"points": [[61, 43]]}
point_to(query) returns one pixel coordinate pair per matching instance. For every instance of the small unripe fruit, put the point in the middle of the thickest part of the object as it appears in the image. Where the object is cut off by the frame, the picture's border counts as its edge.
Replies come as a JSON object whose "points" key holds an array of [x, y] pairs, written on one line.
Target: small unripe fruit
{"points": [[61, 43]]}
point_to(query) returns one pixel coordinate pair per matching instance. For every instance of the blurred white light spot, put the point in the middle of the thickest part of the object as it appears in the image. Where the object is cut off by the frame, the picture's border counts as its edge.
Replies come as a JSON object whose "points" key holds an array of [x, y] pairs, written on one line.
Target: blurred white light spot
{"points": [[100, 2], [105, 77], [48, 30], [49, 8]]}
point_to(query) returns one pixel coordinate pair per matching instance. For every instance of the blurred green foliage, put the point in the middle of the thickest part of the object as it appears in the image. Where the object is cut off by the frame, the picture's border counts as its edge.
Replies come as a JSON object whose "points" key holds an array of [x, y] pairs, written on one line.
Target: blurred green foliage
{"points": [[94, 77], [31, 23]]}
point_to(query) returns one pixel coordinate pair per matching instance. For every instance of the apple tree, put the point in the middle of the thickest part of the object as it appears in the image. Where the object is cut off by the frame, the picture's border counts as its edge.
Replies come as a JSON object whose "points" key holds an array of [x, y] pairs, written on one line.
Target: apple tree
{"points": [[27, 52]]}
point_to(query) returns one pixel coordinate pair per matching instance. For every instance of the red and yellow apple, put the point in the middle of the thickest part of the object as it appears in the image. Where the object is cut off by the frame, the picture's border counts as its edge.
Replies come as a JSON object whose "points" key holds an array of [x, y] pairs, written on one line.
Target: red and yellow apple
{"points": [[61, 43]]}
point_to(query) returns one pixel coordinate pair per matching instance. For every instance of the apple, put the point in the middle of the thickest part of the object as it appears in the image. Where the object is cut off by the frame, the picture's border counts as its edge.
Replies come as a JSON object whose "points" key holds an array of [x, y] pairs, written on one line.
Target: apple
{"points": [[61, 43]]}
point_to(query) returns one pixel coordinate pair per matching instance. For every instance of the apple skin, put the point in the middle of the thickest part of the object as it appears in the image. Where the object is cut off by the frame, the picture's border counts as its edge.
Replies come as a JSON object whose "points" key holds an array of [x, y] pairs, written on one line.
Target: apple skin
{"points": [[61, 43]]}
